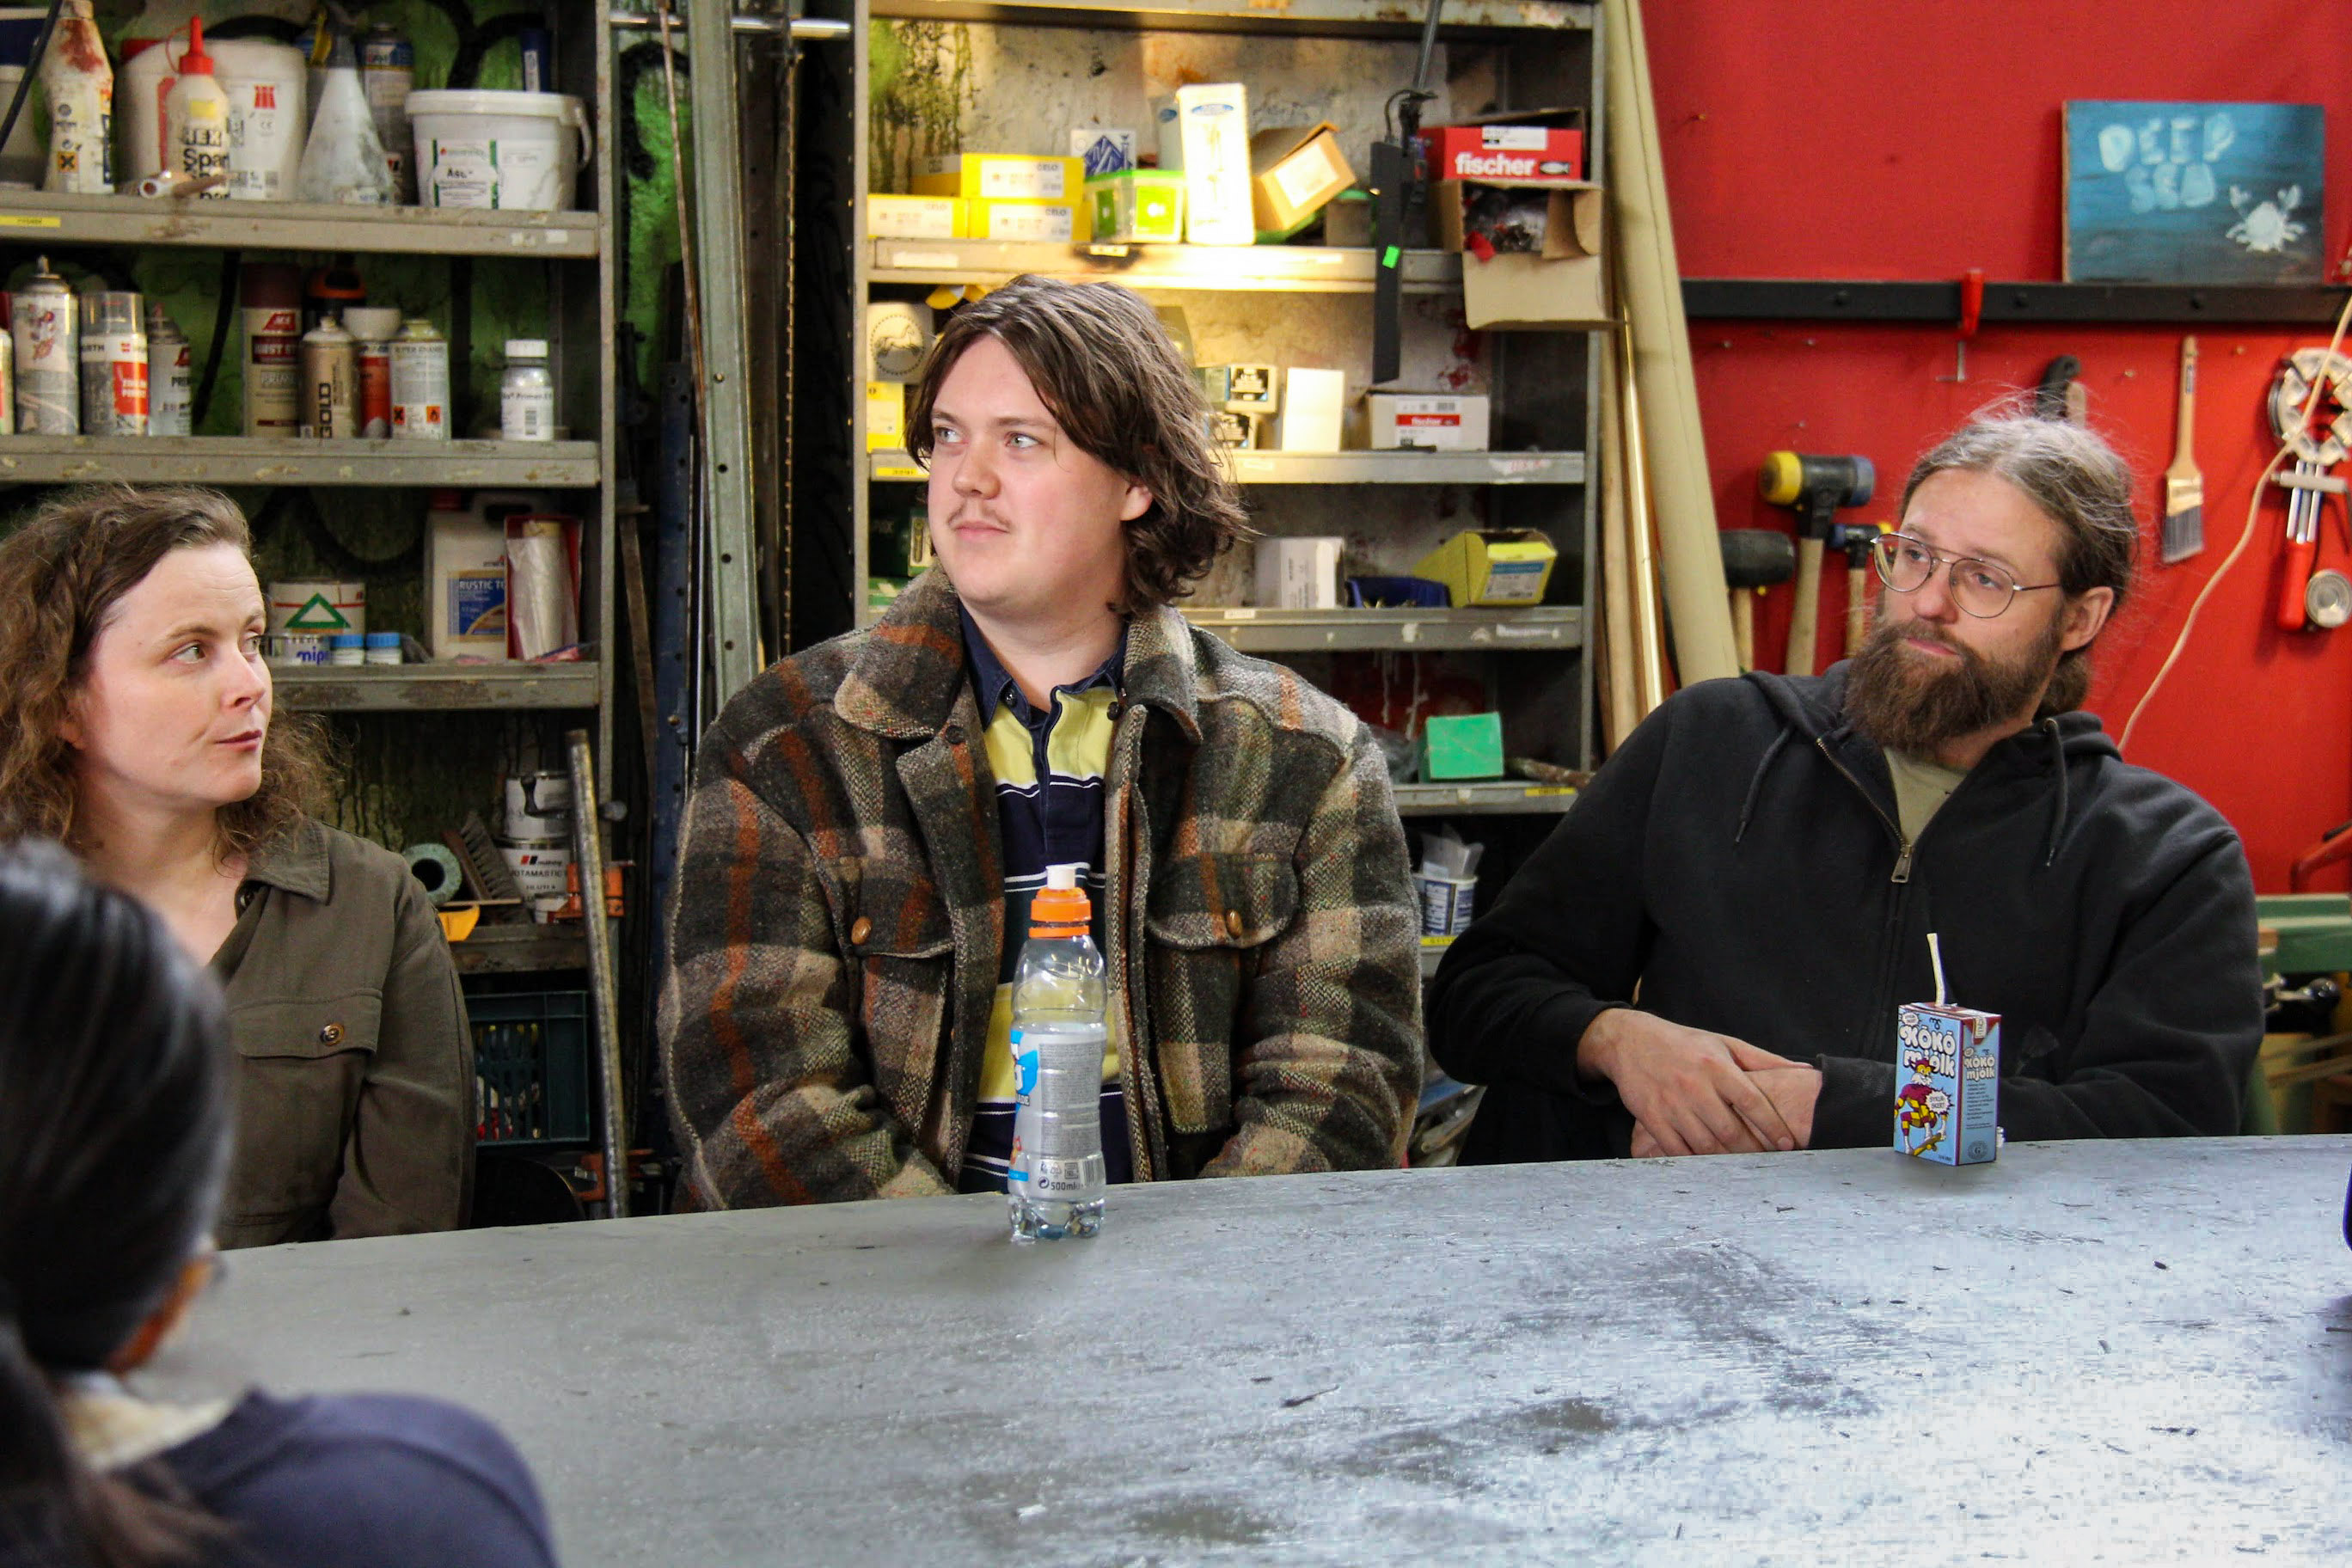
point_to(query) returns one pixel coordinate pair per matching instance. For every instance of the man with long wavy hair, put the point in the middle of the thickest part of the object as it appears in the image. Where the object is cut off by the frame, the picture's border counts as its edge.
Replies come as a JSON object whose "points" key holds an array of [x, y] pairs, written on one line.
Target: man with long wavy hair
{"points": [[870, 818]]}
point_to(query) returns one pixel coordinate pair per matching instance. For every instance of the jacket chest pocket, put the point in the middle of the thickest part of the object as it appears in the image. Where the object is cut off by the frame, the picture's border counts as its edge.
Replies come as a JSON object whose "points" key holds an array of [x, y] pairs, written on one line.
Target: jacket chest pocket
{"points": [[897, 939], [300, 1065], [1209, 921]]}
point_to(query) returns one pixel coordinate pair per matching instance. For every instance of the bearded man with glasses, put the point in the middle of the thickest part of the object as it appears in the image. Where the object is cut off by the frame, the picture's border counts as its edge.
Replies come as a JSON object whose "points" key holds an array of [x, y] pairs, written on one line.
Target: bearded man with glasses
{"points": [[1707, 954]]}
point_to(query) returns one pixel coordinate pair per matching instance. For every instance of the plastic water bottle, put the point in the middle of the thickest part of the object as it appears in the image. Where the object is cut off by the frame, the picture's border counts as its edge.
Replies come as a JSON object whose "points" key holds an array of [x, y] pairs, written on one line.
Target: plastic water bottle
{"points": [[1056, 1181]]}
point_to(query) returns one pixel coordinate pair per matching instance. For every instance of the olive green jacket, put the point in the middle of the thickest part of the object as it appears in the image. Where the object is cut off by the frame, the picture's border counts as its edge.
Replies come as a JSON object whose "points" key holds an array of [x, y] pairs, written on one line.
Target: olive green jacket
{"points": [[355, 1067], [839, 919]]}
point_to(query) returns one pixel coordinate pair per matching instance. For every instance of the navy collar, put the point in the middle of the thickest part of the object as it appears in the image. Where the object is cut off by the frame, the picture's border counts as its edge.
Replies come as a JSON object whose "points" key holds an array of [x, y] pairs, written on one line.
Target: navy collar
{"points": [[995, 685]]}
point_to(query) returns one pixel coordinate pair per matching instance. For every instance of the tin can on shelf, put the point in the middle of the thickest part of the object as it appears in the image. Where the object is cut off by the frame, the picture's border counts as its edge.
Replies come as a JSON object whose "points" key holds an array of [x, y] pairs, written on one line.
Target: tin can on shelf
{"points": [[269, 295], [113, 364], [374, 327], [171, 385], [331, 383], [420, 382], [43, 325]]}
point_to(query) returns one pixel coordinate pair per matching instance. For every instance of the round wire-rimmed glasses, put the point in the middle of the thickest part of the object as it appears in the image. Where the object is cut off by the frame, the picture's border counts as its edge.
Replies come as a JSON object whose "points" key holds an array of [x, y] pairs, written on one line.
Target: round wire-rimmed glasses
{"points": [[1979, 587]]}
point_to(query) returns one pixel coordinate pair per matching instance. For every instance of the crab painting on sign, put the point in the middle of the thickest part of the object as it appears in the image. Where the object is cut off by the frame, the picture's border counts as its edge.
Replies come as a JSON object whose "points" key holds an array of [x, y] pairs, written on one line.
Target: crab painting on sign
{"points": [[2194, 193]]}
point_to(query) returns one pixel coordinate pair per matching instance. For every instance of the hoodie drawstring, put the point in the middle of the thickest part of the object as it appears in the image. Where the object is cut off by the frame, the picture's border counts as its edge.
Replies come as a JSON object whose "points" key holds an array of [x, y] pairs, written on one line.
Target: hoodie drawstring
{"points": [[2058, 803], [1756, 783]]}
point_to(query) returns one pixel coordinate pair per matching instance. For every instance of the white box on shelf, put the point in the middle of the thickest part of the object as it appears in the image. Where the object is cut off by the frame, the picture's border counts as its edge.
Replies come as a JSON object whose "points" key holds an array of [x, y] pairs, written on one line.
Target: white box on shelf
{"points": [[1446, 422], [1299, 573], [1204, 131], [1312, 406]]}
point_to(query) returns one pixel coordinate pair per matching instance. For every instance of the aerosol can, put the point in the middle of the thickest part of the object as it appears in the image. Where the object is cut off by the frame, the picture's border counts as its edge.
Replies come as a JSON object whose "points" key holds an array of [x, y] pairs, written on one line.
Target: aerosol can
{"points": [[113, 364], [171, 385], [331, 383], [49, 355]]}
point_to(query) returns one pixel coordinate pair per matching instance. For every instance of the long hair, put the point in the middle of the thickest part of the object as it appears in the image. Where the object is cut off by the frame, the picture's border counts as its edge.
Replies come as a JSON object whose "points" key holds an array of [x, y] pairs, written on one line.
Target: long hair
{"points": [[2076, 481], [61, 577], [1103, 366], [114, 1137]]}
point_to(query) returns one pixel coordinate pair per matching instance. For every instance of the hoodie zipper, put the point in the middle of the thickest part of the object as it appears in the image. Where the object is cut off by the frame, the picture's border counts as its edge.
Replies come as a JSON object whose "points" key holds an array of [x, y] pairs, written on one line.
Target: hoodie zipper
{"points": [[1902, 844]]}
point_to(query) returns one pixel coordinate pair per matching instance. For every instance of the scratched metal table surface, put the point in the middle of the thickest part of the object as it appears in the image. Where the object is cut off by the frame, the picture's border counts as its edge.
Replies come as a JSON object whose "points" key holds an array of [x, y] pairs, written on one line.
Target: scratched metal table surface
{"points": [[2126, 1352]]}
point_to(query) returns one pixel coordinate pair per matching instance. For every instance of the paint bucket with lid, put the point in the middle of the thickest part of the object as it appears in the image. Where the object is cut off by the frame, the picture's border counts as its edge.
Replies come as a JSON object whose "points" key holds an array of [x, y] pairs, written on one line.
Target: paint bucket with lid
{"points": [[539, 807], [509, 150]]}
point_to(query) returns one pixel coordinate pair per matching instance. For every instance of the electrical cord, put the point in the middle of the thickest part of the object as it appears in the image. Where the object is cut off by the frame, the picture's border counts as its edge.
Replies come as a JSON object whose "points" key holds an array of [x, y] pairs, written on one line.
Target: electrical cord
{"points": [[32, 67], [2245, 537]]}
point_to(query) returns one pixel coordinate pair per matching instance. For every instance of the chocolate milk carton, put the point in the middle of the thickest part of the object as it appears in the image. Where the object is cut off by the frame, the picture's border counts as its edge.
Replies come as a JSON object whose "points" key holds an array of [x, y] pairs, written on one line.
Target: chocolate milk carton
{"points": [[1947, 1099]]}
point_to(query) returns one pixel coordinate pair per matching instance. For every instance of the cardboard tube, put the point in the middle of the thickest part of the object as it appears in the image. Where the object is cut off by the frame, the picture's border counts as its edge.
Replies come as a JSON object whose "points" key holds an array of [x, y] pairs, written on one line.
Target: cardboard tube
{"points": [[1650, 285], [1619, 700]]}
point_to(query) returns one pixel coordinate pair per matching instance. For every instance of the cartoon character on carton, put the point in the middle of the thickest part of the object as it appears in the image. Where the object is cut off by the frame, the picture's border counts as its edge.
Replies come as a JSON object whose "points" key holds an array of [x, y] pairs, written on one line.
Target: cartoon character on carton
{"points": [[1920, 1107]]}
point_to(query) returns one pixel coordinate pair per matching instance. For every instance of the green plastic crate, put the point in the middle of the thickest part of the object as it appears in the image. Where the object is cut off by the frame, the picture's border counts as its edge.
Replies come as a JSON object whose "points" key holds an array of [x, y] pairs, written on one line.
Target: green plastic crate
{"points": [[530, 1068]]}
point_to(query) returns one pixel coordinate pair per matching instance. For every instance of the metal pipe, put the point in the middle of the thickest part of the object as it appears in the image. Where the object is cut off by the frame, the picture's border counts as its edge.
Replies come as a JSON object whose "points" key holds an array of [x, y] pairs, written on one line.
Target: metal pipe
{"points": [[588, 858], [824, 29]]}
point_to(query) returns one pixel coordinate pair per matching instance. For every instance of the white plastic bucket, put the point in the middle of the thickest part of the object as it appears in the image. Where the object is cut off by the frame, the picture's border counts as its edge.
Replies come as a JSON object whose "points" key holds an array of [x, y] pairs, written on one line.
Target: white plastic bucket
{"points": [[512, 151]]}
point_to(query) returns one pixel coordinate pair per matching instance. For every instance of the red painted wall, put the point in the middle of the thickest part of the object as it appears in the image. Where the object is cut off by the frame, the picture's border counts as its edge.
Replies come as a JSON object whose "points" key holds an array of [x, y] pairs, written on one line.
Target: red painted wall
{"points": [[1858, 139]]}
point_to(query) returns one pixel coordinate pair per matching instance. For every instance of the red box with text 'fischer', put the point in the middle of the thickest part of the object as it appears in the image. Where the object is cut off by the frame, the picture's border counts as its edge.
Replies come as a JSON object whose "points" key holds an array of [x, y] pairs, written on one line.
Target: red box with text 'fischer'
{"points": [[1504, 152]]}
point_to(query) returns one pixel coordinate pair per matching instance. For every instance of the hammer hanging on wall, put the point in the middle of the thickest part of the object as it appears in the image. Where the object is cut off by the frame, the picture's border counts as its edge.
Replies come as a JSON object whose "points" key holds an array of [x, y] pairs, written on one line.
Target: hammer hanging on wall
{"points": [[1815, 487]]}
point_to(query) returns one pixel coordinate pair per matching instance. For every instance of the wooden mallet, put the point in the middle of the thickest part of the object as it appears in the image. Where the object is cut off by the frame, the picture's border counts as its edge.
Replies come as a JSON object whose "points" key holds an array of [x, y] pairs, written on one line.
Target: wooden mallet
{"points": [[1815, 487]]}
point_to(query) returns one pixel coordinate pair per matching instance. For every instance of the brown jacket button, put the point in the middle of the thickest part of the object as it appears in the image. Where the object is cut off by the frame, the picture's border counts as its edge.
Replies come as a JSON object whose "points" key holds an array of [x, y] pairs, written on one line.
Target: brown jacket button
{"points": [[331, 1035], [1234, 924], [859, 929]]}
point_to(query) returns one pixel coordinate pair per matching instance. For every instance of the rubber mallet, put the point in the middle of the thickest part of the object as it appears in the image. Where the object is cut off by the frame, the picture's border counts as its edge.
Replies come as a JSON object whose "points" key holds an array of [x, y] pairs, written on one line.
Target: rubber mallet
{"points": [[1815, 487]]}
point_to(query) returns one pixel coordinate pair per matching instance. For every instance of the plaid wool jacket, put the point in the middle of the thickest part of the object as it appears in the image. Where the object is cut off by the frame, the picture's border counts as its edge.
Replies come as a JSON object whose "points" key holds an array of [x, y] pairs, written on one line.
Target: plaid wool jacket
{"points": [[839, 916]]}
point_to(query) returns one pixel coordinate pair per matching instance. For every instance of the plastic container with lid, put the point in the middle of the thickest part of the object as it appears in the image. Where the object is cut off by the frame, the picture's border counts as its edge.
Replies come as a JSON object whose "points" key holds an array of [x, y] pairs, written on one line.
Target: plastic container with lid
{"points": [[384, 648], [527, 394], [347, 647]]}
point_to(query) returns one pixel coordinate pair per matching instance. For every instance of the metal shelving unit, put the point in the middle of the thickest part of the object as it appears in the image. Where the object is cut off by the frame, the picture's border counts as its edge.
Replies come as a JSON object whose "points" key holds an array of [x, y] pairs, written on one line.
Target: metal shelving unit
{"points": [[248, 460], [1550, 628], [1486, 797], [438, 688], [1286, 268], [521, 949], [1411, 468], [36, 217]]}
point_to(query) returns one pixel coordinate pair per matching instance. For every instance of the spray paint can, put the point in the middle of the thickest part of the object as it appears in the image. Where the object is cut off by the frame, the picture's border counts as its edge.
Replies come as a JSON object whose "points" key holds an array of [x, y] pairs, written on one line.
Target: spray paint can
{"points": [[374, 327], [420, 382], [80, 87], [171, 385], [387, 74], [331, 383], [113, 364], [269, 295], [49, 355]]}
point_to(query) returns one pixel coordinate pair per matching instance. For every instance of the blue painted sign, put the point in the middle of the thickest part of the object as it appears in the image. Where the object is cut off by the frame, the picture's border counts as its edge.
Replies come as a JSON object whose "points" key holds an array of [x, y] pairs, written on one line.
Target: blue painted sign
{"points": [[2194, 193]]}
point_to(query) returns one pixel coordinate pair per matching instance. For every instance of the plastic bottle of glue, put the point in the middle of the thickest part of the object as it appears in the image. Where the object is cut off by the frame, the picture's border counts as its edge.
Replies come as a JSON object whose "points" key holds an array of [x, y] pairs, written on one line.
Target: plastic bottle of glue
{"points": [[195, 119]]}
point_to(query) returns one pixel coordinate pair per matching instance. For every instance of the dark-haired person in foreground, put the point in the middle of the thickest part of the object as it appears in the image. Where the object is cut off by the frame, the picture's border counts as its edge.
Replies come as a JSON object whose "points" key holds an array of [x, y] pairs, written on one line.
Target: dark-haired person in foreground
{"points": [[1707, 954], [870, 818], [114, 1141], [138, 728]]}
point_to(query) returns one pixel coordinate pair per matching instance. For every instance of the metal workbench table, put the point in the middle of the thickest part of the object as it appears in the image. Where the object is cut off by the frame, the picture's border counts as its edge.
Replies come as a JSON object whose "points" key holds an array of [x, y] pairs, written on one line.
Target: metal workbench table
{"points": [[2123, 1351]]}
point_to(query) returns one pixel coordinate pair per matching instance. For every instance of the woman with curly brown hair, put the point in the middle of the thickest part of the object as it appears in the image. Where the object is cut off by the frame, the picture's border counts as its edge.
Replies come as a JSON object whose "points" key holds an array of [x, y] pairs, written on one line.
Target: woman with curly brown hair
{"points": [[136, 728]]}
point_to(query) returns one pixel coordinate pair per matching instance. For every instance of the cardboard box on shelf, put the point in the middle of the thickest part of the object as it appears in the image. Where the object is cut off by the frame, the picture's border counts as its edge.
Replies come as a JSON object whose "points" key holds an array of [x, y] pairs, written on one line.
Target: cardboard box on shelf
{"points": [[1491, 566], [1001, 177], [1138, 206], [1299, 573], [891, 217], [1504, 152], [1239, 388], [885, 415], [1313, 404], [1203, 130], [1565, 288], [1294, 170], [1102, 152], [1445, 422], [1461, 746], [1059, 223]]}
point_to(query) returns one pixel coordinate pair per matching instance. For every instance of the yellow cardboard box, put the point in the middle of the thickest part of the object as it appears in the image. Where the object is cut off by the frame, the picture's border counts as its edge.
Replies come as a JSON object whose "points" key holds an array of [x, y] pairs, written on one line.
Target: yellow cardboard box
{"points": [[1491, 566], [1294, 171], [1002, 177], [1055, 223]]}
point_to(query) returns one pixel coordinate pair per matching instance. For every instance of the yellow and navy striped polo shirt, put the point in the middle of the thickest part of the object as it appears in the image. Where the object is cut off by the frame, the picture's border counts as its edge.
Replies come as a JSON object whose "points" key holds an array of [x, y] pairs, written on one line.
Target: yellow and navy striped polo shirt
{"points": [[1049, 769]]}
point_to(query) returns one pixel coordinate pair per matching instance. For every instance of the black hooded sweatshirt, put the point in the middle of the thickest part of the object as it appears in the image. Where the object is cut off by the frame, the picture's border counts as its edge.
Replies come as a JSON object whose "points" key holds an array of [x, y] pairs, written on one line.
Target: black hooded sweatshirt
{"points": [[1738, 866]]}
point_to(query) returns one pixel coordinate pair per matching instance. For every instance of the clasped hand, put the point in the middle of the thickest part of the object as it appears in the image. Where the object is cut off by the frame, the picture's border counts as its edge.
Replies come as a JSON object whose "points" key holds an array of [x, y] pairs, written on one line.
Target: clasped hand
{"points": [[1692, 1092]]}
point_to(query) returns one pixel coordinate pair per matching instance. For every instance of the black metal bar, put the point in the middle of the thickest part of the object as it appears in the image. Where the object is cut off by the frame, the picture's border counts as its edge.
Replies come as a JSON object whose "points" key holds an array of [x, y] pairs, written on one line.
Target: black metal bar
{"points": [[1813, 300]]}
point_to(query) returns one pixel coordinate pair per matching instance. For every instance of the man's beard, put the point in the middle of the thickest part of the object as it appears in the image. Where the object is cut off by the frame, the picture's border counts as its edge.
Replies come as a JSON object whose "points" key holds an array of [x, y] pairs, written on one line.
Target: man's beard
{"points": [[1913, 702]]}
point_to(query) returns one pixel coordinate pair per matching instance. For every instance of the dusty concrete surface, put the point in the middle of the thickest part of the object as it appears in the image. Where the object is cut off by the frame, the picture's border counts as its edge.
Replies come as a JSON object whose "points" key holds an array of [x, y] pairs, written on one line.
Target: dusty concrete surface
{"points": [[2127, 1352]]}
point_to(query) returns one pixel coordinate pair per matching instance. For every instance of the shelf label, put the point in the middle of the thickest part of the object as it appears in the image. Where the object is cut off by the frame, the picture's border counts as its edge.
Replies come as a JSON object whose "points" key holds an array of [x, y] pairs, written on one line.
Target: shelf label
{"points": [[21, 220]]}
